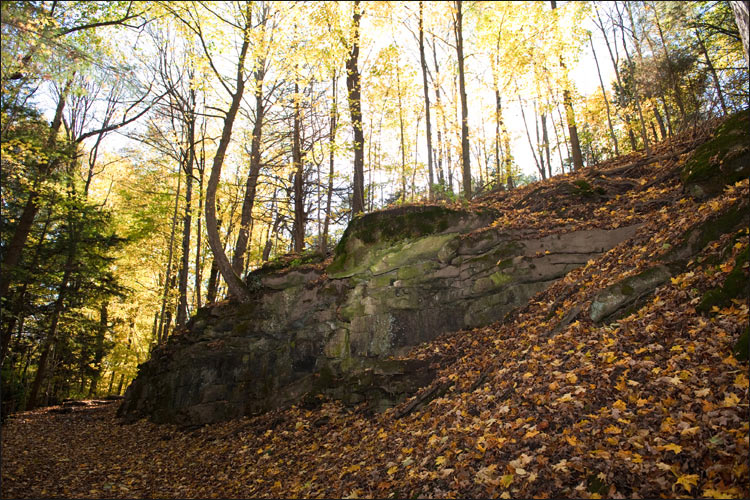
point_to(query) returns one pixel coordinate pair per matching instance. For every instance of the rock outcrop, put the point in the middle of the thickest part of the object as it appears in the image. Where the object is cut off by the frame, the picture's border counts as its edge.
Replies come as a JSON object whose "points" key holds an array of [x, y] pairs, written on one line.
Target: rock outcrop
{"points": [[722, 160], [398, 278]]}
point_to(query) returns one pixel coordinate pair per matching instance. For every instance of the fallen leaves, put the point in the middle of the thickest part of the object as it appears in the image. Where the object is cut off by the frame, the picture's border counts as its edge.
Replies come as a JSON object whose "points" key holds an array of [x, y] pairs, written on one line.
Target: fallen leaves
{"points": [[652, 405]]}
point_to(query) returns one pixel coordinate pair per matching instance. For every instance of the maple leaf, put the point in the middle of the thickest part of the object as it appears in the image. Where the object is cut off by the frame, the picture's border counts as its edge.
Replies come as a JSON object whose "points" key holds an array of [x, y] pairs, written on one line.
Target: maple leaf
{"points": [[620, 405], [687, 481], [565, 398], [730, 400], [673, 447], [441, 460], [741, 381]]}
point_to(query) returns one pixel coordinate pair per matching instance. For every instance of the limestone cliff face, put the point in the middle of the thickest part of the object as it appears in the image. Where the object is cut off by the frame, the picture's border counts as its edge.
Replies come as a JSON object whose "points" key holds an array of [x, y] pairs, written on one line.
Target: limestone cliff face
{"points": [[398, 278]]}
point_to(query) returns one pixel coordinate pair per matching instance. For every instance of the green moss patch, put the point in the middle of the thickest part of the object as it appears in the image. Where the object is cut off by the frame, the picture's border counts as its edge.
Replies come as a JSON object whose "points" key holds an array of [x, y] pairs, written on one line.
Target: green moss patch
{"points": [[722, 160], [388, 227], [734, 286]]}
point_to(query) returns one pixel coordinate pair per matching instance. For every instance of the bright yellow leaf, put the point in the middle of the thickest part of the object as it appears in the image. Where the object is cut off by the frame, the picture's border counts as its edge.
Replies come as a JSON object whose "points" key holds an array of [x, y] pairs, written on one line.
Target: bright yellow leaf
{"points": [[741, 381], [673, 447], [688, 481], [730, 400]]}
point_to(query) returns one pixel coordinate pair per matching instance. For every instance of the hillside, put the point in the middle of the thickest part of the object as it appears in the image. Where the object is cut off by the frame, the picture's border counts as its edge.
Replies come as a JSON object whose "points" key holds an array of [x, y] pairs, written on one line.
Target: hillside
{"points": [[606, 383]]}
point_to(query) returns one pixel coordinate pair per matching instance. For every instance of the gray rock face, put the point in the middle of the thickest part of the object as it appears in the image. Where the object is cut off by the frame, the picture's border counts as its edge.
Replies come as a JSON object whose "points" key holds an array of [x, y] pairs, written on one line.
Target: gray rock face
{"points": [[397, 280], [626, 292]]}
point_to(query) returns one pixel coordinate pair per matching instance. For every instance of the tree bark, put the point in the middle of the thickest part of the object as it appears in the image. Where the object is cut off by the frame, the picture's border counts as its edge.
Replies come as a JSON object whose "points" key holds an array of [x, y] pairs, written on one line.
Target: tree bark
{"points": [[670, 64], [99, 350], [355, 111], [635, 84], [187, 217], [423, 62], [198, 237], [17, 312], [17, 243], [331, 154], [570, 118], [528, 136], [465, 151], [741, 11], [162, 332], [441, 144], [234, 283], [240, 247], [49, 340], [712, 70], [606, 101], [298, 231]]}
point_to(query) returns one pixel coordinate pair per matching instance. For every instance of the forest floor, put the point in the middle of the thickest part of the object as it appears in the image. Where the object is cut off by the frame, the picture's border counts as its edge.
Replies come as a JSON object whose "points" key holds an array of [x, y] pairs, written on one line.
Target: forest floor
{"points": [[542, 405]]}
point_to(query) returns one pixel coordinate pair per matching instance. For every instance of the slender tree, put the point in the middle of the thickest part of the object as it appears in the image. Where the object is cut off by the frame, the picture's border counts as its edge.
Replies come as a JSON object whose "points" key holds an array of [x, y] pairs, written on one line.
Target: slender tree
{"points": [[355, 112], [465, 151]]}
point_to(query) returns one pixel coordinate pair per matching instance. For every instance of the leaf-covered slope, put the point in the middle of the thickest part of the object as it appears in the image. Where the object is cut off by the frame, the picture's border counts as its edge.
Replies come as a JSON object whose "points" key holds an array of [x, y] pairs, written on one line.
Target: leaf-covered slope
{"points": [[548, 404]]}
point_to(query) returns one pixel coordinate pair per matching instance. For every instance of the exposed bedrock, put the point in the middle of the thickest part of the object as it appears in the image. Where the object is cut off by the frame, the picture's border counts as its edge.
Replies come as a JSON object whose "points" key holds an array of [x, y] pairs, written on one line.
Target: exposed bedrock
{"points": [[399, 278]]}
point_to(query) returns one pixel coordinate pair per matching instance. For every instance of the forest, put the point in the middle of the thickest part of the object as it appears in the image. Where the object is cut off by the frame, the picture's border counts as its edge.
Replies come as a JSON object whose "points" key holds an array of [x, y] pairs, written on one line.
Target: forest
{"points": [[161, 160]]}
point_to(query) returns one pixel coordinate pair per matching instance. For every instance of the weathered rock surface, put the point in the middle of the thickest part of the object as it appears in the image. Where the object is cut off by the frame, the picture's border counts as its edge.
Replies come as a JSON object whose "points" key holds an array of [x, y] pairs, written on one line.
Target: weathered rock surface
{"points": [[398, 278], [725, 159]]}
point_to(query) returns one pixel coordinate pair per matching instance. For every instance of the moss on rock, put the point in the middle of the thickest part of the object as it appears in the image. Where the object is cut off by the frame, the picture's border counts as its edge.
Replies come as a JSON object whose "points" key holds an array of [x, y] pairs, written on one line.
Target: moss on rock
{"points": [[734, 286], [724, 159]]}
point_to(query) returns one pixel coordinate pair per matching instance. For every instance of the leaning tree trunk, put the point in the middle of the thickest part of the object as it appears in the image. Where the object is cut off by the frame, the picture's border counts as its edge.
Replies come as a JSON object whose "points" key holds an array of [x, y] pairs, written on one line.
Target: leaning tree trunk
{"points": [[234, 283]]}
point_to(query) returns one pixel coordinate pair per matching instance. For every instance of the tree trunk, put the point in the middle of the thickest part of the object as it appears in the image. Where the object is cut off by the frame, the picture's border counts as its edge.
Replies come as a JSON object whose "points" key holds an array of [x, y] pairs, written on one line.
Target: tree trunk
{"points": [[240, 247], [635, 85], [423, 62], [465, 152], [712, 70], [213, 283], [234, 283], [17, 243], [670, 64], [660, 121], [570, 118], [187, 220], [545, 141], [355, 111], [528, 136], [606, 101], [161, 332], [615, 60], [331, 154], [198, 235], [402, 145], [741, 11], [298, 231], [99, 350], [16, 312], [49, 340], [436, 84]]}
